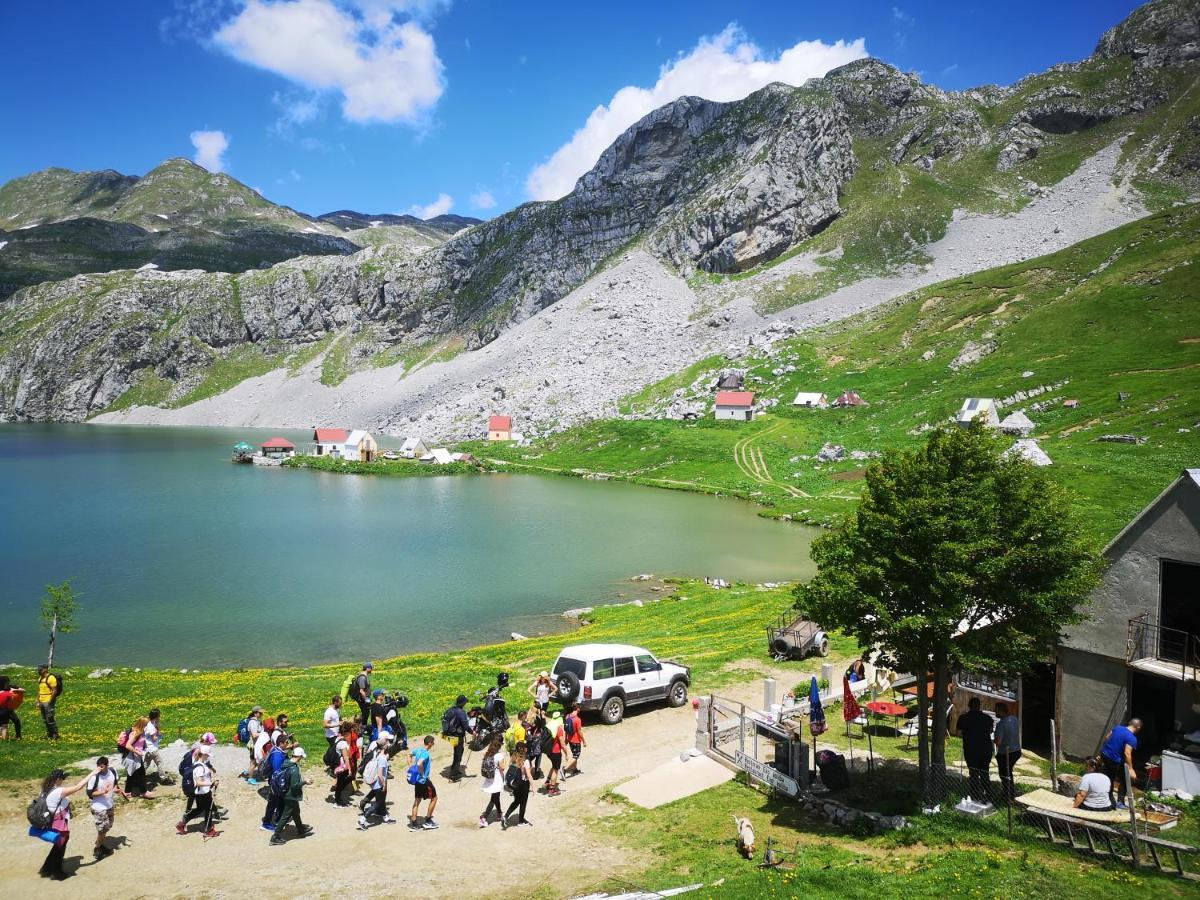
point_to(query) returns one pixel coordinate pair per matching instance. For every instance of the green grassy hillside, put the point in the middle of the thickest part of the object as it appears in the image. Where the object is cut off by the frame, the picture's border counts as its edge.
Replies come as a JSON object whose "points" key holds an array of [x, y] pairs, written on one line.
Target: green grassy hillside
{"points": [[1115, 314]]}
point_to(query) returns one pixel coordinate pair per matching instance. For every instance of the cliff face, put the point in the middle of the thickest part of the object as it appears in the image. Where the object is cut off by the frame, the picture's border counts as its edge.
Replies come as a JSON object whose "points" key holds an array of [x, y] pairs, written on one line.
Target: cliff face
{"points": [[706, 187]]}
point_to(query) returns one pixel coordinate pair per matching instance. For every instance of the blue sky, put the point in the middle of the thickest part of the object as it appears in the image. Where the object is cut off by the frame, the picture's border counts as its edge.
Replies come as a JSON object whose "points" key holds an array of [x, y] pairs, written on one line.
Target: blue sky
{"points": [[465, 106]]}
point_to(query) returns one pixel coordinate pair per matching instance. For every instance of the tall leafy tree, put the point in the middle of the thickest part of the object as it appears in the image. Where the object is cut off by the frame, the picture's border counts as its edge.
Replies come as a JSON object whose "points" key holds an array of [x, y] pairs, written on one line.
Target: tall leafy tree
{"points": [[59, 605], [958, 557]]}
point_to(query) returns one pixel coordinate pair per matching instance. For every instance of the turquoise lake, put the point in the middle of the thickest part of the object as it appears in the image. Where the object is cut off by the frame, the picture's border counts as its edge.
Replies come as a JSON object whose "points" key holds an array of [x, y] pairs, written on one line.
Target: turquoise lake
{"points": [[184, 559]]}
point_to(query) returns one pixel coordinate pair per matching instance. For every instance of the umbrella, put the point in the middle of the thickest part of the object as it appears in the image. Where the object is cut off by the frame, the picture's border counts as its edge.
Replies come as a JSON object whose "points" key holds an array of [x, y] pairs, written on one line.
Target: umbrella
{"points": [[816, 715], [242, 445], [850, 710]]}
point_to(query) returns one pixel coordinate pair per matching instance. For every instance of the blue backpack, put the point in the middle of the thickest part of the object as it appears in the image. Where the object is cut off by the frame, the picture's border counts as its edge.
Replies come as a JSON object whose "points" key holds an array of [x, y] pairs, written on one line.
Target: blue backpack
{"points": [[413, 775], [186, 781], [279, 782], [243, 731]]}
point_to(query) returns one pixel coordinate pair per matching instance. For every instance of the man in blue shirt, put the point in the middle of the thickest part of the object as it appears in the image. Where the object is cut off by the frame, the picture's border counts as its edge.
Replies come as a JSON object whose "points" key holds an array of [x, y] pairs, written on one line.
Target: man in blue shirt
{"points": [[423, 789], [277, 758], [1008, 750], [1116, 755]]}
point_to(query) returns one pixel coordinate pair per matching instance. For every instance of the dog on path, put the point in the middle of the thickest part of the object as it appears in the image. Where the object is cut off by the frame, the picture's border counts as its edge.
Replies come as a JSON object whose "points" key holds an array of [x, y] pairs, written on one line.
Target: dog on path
{"points": [[745, 836]]}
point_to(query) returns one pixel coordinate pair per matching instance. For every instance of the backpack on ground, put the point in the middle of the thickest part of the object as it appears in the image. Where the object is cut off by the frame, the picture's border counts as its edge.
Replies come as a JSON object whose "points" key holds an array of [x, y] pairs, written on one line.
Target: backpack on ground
{"points": [[243, 731], [451, 726], [123, 741], [279, 782], [569, 726], [39, 813], [187, 781], [487, 768], [331, 756]]}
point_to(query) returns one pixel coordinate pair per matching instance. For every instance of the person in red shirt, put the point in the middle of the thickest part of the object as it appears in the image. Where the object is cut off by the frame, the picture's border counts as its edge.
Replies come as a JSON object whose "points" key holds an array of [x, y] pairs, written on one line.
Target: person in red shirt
{"points": [[575, 741], [10, 698], [558, 740]]}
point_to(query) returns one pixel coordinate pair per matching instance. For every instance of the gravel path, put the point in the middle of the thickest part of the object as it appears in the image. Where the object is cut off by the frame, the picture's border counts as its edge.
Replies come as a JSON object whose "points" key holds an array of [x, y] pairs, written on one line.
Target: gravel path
{"points": [[630, 325]]}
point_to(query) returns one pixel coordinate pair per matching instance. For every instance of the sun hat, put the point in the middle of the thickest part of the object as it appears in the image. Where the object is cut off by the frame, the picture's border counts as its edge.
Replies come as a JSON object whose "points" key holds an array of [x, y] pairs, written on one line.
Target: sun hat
{"points": [[384, 735], [299, 752], [208, 738], [543, 674], [256, 709], [204, 750]]}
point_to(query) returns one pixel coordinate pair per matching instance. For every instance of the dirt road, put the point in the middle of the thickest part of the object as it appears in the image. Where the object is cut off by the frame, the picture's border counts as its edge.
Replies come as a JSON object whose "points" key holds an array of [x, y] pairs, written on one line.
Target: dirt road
{"points": [[460, 858]]}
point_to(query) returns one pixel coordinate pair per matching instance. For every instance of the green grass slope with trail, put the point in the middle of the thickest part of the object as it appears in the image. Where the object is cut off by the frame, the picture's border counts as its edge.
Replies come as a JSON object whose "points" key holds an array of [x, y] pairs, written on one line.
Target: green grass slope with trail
{"points": [[1119, 313]]}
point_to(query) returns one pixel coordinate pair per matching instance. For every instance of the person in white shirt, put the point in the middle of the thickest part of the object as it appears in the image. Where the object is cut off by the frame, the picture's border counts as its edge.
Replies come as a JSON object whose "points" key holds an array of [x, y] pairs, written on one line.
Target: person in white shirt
{"points": [[254, 727], [153, 735], [56, 794], [258, 750], [333, 718], [100, 789], [205, 781], [1095, 789], [375, 777], [493, 784]]}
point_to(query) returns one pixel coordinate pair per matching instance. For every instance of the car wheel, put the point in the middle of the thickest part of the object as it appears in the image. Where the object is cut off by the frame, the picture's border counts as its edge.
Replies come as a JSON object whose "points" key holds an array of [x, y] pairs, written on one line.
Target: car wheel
{"points": [[781, 647], [823, 649], [677, 696], [612, 710], [568, 687]]}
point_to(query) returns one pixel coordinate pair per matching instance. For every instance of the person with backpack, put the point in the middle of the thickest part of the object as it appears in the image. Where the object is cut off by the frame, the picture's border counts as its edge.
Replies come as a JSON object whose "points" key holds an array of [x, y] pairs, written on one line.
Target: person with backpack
{"points": [[332, 719], [274, 761], [573, 729], [375, 777], [51, 812], [49, 689], [343, 764], [248, 731], [264, 743], [420, 764], [491, 770], [518, 778], [517, 731], [11, 697], [455, 726], [558, 739], [132, 744], [360, 690], [535, 744], [204, 782], [288, 784], [100, 789]]}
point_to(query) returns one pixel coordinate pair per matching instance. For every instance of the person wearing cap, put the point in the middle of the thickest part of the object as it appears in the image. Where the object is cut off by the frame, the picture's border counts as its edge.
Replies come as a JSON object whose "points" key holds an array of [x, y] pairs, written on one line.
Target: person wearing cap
{"points": [[456, 734], [254, 728], [360, 690], [542, 690], [290, 807], [56, 794], [276, 759], [375, 777], [205, 781]]}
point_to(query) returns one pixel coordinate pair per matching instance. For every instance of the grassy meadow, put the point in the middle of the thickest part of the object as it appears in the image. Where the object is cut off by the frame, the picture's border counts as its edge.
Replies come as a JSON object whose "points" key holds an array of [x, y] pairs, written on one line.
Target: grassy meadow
{"points": [[1113, 315]]}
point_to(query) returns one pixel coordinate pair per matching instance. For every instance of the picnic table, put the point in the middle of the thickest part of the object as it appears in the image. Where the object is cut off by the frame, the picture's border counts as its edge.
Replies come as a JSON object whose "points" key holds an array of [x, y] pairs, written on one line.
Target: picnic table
{"points": [[884, 708]]}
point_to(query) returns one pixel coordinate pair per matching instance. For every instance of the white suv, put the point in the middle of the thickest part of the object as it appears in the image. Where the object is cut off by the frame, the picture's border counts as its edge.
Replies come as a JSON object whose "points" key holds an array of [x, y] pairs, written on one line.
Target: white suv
{"points": [[609, 677]]}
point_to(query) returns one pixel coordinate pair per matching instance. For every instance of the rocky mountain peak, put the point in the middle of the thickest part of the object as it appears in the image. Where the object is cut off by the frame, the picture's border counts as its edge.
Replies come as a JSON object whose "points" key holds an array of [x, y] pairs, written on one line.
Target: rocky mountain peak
{"points": [[1160, 34]]}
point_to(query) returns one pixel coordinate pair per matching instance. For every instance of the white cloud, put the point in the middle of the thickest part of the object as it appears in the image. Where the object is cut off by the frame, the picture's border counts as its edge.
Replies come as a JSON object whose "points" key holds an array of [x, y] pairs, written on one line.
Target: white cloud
{"points": [[210, 149], [903, 24], [483, 200], [385, 70], [727, 66], [438, 207]]}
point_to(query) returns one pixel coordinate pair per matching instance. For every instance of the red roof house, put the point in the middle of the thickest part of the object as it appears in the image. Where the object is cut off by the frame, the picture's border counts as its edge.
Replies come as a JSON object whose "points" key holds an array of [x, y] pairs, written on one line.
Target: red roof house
{"points": [[499, 428], [737, 405], [849, 398], [330, 435], [278, 443]]}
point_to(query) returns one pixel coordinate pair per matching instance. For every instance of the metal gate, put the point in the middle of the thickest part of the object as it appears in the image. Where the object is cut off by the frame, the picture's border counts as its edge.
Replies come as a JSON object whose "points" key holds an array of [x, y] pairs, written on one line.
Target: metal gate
{"points": [[754, 742]]}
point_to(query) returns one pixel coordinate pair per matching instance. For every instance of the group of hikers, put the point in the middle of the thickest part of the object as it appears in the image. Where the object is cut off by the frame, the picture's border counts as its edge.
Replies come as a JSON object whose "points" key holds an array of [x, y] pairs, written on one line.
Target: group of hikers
{"points": [[358, 759], [49, 687]]}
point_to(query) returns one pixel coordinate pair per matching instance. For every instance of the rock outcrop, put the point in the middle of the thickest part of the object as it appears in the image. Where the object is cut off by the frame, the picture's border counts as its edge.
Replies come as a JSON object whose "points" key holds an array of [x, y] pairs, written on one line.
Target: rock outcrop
{"points": [[1160, 34]]}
